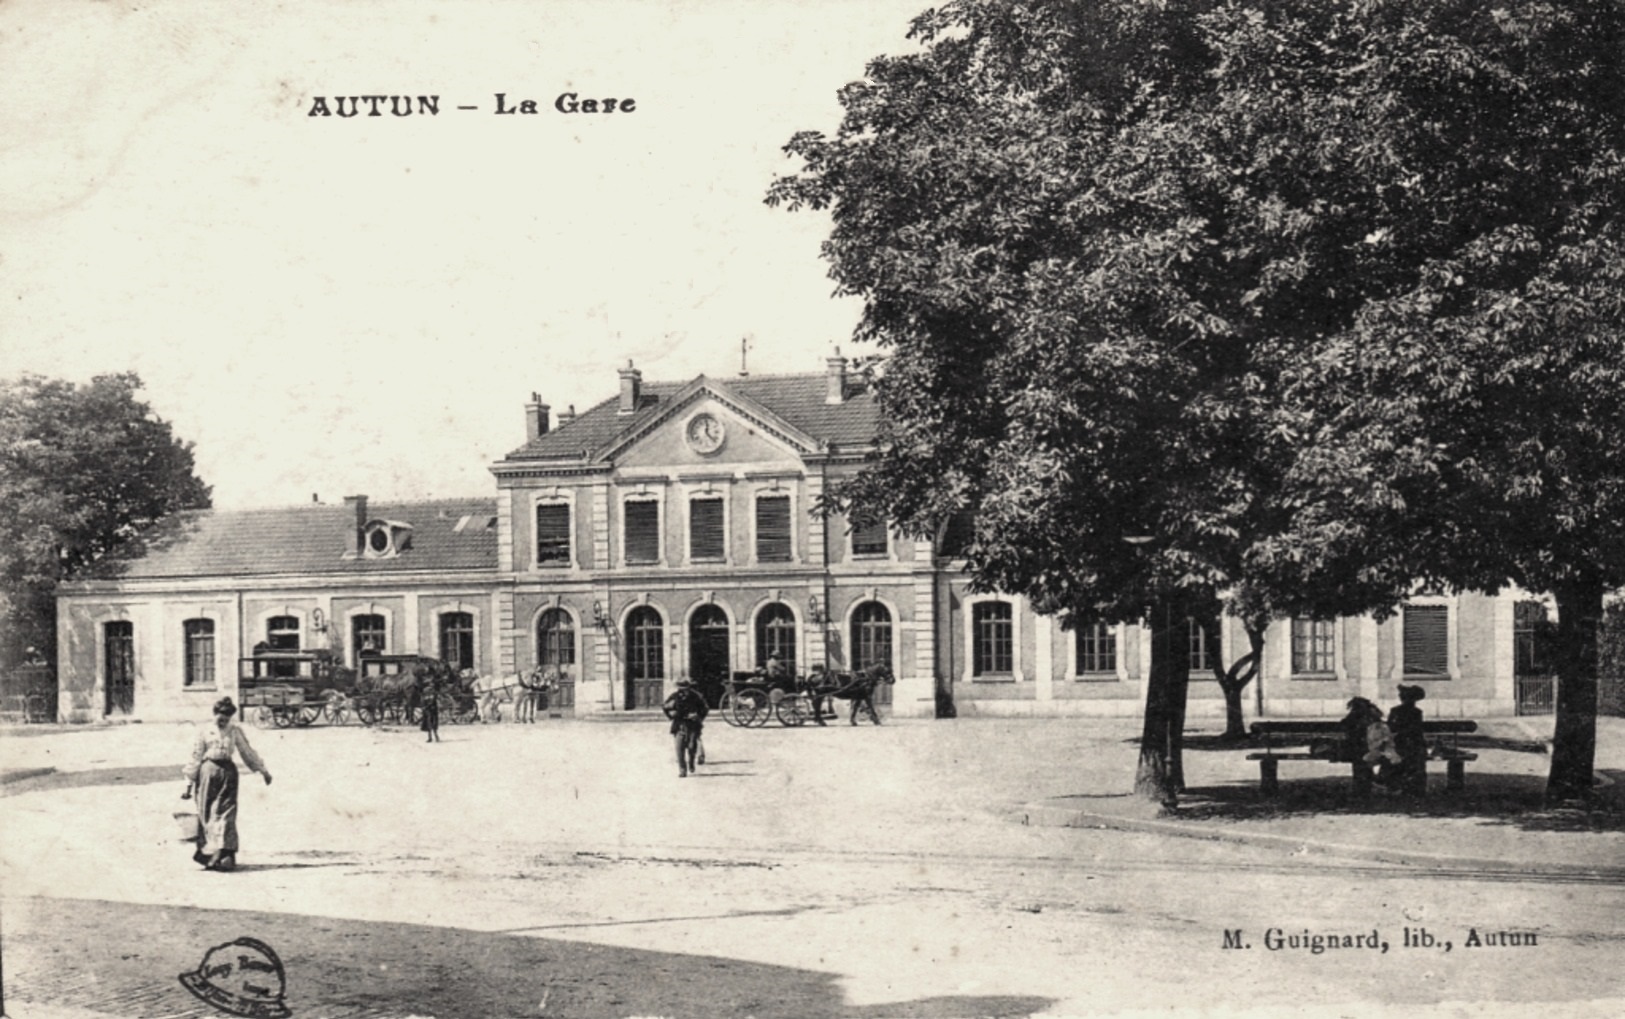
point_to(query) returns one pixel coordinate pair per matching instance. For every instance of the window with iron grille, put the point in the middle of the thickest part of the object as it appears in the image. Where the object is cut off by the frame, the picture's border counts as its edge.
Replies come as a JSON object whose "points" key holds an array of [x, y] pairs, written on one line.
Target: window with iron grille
{"points": [[1096, 648], [871, 635], [282, 633], [992, 639], [555, 639], [773, 529], [457, 640], [1201, 660], [553, 534], [873, 540], [645, 647], [1312, 646], [706, 538], [642, 519], [199, 635], [776, 637], [368, 633], [1427, 640]]}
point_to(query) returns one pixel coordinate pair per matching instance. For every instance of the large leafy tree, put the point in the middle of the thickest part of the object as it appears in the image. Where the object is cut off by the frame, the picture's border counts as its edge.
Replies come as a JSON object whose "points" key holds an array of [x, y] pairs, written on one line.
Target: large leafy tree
{"points": [[84, 470], [1126, 257]]}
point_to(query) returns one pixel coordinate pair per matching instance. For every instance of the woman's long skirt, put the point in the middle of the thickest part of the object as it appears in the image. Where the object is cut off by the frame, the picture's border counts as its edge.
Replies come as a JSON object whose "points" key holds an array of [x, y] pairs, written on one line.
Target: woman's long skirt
{"points": [[216, 797]]}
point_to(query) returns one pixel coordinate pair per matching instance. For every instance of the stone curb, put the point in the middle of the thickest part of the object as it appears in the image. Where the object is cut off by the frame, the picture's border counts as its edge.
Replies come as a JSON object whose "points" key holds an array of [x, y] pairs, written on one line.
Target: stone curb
{"points": [[20, 774], [1061, 817]]}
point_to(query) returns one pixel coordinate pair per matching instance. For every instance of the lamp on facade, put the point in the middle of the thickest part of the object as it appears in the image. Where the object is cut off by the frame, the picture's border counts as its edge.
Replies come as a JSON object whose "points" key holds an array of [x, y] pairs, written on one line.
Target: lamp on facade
{"points": [[598, 618], [815, 611]]}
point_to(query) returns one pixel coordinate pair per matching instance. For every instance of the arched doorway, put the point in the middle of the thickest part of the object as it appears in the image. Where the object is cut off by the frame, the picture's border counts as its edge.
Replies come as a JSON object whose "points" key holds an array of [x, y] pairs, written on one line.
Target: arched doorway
{"points": [[776, 636], [645, 658], [709, 658], [872, 642]]}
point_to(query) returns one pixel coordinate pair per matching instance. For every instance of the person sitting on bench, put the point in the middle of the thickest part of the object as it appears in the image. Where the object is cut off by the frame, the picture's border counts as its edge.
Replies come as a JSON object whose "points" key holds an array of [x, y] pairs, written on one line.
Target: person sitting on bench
{"points": [[1405, 721]]}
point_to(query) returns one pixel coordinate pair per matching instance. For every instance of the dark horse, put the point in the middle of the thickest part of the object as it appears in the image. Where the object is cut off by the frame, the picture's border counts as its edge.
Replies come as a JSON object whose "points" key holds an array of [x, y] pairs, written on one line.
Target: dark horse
{"points": [[858, 688]]}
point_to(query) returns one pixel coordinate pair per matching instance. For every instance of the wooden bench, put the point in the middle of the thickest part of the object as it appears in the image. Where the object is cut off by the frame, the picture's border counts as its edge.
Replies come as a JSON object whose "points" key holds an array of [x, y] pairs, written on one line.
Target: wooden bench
{"points": [[1279, 737]]}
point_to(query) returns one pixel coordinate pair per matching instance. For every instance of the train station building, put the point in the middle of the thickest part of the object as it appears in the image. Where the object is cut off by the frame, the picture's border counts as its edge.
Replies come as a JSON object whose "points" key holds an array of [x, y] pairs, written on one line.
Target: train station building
{"points": [[672, 530]]}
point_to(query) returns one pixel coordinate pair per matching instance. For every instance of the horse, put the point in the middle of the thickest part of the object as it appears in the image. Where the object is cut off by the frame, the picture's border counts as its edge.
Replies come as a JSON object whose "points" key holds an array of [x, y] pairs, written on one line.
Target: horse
{"points": [[859, 689], [492, 695]]}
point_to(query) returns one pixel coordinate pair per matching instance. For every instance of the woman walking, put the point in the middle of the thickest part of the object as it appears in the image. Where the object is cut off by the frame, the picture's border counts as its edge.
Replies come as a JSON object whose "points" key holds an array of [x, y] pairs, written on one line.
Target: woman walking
{"points": [[211, 779]]}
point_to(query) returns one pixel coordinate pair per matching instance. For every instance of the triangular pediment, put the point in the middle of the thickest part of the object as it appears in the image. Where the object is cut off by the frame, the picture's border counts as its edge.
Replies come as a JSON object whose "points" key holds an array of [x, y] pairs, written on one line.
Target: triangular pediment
{"points": [[707, 422]]}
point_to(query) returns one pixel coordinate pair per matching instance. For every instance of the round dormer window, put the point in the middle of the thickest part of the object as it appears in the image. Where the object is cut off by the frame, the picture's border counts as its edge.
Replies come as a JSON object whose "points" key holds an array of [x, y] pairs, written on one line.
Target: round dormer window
{"points": [[378, 540]]}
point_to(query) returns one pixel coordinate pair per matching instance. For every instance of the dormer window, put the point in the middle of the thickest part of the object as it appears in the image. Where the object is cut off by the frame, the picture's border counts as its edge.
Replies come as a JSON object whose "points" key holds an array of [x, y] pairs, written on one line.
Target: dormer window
{"points": [[385, 539]]}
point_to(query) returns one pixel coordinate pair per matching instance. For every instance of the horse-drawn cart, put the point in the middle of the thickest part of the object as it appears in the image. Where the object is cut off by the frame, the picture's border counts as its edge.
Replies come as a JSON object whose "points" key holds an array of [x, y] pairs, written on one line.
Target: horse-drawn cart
{"points": [[292, 688], [752, 699], [390, 689]]}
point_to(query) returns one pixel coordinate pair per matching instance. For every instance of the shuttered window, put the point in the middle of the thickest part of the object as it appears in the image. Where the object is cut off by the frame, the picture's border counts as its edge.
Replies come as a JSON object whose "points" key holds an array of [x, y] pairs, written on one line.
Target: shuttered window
{"points": [[773, 529], [642, 531], [705, 534], [1427, 640], [870, 540], [553, 534]]}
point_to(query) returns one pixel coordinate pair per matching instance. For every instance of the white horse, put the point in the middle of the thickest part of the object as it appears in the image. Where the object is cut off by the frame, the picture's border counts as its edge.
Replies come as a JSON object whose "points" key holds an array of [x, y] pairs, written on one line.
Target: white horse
{"points": [[493, 693]]}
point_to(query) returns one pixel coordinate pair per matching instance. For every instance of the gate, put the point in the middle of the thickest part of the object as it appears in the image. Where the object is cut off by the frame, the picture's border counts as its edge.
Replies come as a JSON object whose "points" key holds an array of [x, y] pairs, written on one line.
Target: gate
{"points": [[1537, 695]]}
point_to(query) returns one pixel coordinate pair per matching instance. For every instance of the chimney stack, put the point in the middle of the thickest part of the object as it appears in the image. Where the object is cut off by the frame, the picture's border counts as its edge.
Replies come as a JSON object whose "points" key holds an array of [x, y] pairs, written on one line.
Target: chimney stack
{"points": [[536, 415], [352, 541], [567, 416], [835, 379], [631, 388]]}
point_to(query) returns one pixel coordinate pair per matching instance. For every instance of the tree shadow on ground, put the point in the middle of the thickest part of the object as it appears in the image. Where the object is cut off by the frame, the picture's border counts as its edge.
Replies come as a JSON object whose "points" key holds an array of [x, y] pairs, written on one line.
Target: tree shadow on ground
{"points": [[96, 776], [346, 969], [1491, 798]]}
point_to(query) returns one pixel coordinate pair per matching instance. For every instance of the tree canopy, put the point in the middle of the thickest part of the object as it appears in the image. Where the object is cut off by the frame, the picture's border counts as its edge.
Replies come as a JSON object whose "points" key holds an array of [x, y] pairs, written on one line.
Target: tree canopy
{"points": [[1268, 283], [84, 469]]}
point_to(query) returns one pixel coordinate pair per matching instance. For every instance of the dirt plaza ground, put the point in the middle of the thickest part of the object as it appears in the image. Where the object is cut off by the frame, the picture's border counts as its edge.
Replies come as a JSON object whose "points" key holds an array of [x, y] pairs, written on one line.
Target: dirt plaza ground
{"points": [[924, 868]]}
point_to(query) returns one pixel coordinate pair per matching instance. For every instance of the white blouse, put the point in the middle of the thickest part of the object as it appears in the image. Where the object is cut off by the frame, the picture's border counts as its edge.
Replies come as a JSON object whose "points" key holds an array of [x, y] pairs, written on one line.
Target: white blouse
{"points": [[216, 744]]}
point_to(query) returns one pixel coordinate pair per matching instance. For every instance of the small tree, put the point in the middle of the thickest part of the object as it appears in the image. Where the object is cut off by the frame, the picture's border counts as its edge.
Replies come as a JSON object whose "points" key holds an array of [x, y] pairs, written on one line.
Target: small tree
{"points": [[84, 470]]}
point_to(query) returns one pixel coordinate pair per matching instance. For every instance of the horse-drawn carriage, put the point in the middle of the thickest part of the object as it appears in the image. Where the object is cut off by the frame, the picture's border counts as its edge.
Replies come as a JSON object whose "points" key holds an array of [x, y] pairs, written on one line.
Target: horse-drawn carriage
{"points": [[752, 699], [391, 688], [293, 688]]}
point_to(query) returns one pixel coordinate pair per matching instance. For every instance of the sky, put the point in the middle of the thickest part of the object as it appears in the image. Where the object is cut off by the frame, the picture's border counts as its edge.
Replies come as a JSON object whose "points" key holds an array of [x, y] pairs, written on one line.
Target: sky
{"points": [[332, 306]]}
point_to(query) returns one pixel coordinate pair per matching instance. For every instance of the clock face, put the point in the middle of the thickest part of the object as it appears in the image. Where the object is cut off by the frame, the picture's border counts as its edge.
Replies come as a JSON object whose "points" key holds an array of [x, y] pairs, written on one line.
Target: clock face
{"points": [[705, 433]]}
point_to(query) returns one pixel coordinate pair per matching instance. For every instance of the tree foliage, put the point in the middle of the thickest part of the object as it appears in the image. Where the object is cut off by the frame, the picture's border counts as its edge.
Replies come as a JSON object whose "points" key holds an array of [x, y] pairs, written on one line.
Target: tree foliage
{"points": [[1266, 282], [84, 469]]}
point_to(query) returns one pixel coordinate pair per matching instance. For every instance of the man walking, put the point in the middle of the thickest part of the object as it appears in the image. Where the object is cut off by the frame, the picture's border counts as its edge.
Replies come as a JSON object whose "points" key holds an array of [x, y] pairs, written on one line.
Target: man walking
{"points": [[687, 709]]}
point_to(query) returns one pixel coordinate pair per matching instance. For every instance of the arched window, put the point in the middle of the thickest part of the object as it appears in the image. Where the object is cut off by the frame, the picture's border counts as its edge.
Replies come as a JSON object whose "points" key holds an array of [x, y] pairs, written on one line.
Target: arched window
{"points": [[645, 644], [993, 638], [282, 633], [457, 640], [199, 636], [555, 639], [369, 634], [776, 636], [871, 635]]}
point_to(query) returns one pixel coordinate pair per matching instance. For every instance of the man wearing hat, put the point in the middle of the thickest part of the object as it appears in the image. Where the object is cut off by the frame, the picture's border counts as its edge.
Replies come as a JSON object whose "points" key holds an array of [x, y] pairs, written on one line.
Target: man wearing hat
{"points": [[687, 709], [1405, 721]]}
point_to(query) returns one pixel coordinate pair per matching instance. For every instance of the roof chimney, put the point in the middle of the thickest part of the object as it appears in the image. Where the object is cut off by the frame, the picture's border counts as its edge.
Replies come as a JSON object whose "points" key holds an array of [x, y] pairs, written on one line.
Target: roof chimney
{"points": [[352, 540], [631, 388], [835, 379], [567, 416], [536, 417]]}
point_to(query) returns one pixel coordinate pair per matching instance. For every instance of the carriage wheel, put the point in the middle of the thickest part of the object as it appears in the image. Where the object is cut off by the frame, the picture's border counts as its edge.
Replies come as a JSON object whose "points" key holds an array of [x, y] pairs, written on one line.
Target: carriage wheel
{"points": [[750, 708], [337, 713], [366, 714], [283, 717], [263, 717], [791, 712], [308, 714], [725, 708]]}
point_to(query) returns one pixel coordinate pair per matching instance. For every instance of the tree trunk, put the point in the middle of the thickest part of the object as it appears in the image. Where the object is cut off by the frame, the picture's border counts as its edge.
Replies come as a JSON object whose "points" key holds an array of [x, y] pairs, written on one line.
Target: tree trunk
{"points": [[1160, 773], [1233, 681], [1574, 742]]}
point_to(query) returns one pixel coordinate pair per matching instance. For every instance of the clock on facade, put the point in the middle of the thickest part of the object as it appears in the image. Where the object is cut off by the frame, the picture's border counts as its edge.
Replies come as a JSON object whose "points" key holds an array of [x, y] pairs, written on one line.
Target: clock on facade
{"points": [[705, 433]]}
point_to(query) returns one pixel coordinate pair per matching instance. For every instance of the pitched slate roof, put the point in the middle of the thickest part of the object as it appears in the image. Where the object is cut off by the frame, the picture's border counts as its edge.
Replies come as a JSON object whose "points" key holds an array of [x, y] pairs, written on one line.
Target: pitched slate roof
{"points": [[312, 540], [797, 399]]}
